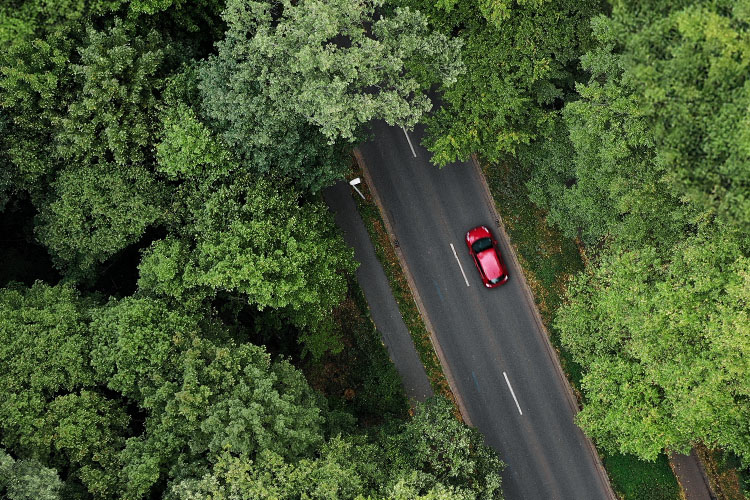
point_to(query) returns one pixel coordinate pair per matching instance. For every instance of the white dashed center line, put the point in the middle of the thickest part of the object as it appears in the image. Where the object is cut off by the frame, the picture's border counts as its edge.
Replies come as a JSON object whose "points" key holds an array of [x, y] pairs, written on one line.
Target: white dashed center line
{"points": [[512, 393], [407, 138], [459, 264]]}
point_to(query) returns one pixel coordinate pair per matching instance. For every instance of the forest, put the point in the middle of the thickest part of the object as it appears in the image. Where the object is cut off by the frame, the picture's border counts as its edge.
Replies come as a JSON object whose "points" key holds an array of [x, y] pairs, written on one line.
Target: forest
{"points": [[179, 316]]}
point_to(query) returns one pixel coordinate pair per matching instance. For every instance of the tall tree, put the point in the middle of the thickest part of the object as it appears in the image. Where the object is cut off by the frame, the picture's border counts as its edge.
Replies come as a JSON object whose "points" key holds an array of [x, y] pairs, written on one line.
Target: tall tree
{"points": [[294, 81], [260, 241], [50, 409], [433, 456], [652, 130], [521, 63], [35, 88], [43, 352], [27, 480], [94, 211], [105, 197], [664, 339]]}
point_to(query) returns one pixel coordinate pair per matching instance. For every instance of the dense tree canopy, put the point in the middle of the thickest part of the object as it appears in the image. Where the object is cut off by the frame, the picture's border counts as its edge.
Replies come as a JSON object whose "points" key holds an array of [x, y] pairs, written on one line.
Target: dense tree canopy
{"points": [[430, 457], [27, 480], [665, 337], [166, 399], [653, 177], [290, 79], [521, 63]]}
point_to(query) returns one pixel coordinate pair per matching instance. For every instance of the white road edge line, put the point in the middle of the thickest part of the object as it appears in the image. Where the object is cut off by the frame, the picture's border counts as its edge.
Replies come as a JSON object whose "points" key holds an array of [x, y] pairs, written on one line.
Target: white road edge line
{"points": [[407, 138], [512, 393], [459, 264]]}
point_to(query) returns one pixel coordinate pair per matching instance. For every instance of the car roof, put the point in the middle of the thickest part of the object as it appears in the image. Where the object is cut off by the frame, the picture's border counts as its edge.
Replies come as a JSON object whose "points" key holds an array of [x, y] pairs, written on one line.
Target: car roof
{"points": [[490, 262]]}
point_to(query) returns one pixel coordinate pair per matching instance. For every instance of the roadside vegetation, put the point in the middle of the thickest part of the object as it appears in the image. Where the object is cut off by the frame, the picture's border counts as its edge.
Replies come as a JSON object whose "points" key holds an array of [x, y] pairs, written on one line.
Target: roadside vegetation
{"points": [[179, 317], [625, 125], [549, 260]]}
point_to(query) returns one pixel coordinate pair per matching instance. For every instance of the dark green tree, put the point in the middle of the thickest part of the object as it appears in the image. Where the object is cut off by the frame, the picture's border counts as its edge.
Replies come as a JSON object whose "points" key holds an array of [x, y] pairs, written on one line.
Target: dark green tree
{"points": [[35, 87], [521, 63], [651, 143], [105, 196], [259, 241], [44, 351], [94, 211]]}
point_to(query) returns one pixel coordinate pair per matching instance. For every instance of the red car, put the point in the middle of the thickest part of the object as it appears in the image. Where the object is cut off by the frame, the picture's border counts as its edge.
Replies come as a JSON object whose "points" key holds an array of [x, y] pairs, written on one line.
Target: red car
{"points": [[486, 254]]}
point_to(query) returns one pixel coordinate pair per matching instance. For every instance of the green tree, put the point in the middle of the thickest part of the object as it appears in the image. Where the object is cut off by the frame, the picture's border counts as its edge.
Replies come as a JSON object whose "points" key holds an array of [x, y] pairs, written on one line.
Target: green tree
{"points": [[44, 345], [663, 337], [230, 398], [446, 454], [332, 476], [259, 241], [521, 63], [388, 464], [27, 480], [188, 150], [89, 431], [293, 82], [94, 211], [114, 117], [105, 197], [695, 92], [35, 87], [137, 343], [49, 407], [658, 134]]}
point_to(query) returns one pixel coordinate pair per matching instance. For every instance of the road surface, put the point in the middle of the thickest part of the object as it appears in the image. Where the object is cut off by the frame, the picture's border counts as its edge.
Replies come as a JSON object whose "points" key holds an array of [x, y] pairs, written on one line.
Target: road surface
{"points": [[496, 352]]}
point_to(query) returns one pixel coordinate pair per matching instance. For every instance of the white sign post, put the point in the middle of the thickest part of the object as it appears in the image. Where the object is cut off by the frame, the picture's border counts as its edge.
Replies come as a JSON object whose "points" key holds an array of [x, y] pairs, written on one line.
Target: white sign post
{"points": [[353, 183]]}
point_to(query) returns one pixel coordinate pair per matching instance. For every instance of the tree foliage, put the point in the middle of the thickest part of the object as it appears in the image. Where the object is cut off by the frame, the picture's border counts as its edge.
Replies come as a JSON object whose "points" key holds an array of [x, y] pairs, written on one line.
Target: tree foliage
{"points": [[94, 211], [653, 177], [43, 352], [651, 135], [664, 338], [118, 135], [259, 241], [291, 80], [521, 62], [27, 480], [35, 86], [437, 466]]}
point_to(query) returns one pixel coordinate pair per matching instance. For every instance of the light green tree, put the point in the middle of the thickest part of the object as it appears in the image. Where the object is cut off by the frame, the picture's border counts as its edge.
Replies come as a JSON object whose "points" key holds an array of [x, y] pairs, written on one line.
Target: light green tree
{"points": [[27, 480], [293, 82], [663, 337]]}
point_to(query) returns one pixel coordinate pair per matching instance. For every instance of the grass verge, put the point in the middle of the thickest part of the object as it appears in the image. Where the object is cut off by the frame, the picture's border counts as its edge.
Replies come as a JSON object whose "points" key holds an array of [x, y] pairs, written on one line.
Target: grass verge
{"points": [[549, 260], [725, 473], [386, 254]]}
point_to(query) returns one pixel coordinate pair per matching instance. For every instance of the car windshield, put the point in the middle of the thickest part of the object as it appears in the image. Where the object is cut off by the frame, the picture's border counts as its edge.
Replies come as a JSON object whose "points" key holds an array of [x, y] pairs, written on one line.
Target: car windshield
{"points": [[481, 245]]}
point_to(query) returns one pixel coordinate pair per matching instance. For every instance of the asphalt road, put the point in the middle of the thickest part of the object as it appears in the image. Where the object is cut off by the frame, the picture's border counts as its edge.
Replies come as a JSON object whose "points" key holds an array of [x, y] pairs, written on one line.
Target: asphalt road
{"points": [[490, 338]]}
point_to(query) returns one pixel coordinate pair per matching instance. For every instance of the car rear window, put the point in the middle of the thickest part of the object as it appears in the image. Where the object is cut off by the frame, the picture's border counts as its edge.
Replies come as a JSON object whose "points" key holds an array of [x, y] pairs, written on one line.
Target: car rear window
{"points": [[481, 245]]}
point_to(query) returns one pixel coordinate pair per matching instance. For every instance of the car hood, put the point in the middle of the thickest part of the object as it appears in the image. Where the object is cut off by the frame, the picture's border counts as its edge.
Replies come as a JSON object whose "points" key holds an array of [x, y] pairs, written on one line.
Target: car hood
{"points": [[491, 264]]}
